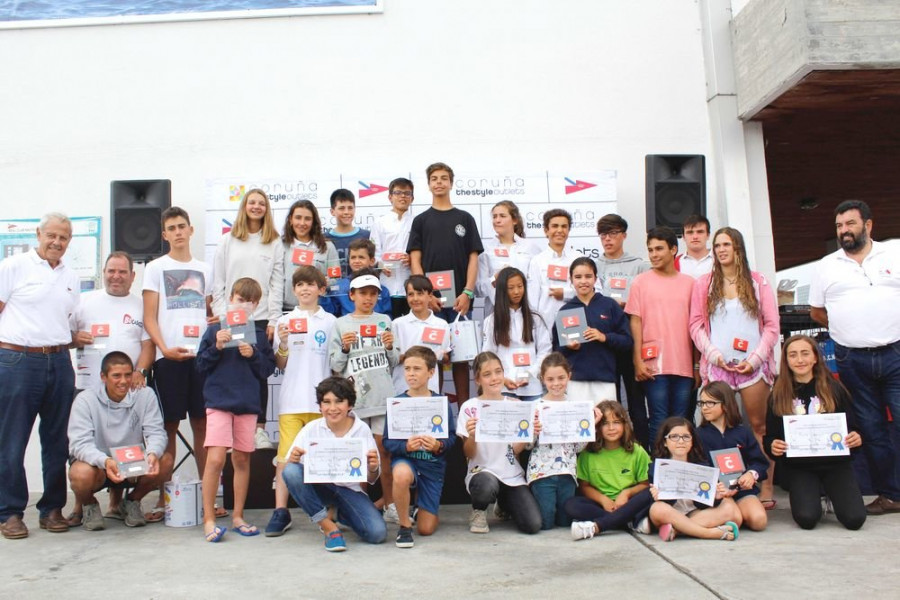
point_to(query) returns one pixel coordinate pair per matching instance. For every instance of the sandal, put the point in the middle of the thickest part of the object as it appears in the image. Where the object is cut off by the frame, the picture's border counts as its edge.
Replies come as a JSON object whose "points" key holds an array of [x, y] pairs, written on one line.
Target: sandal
{"points": [[221, 513], [216, 534], [769, 503], [75, 519], [667, 532], [155, 514], [246, 530], [729, 527]]}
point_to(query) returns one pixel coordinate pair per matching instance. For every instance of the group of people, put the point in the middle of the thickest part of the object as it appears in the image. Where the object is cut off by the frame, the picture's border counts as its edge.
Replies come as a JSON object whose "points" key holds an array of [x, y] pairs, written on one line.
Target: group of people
{"points": [[354, 317]]}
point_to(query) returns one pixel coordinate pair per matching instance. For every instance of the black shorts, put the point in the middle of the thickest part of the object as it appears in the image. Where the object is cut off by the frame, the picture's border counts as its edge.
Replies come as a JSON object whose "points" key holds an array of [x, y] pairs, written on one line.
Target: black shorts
{"points": [[179, 388]]}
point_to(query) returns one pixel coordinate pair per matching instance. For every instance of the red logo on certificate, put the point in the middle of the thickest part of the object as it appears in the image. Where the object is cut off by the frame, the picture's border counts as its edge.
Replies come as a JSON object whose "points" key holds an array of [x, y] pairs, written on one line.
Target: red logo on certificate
{"points": [[368, 331], [392, 256], [441, 280], [129, 454], [650, 351], [297, 326], [557, 272], [741, 345], [433, 335], [617, 283], [521, 359], [236, 317], [191, 331], [303, 257], [501, 252], [101, 330], [571, 321], [730, 462], [333, 272]]}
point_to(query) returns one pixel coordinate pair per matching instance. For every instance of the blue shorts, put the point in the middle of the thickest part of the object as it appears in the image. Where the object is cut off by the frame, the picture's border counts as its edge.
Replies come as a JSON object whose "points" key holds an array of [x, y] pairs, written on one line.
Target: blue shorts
{"points": [[429, 480]]}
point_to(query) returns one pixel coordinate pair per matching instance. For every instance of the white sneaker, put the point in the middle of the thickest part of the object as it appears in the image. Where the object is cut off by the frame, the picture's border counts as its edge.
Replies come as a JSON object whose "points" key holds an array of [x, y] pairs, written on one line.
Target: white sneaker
{"points": [[643, 526], [262, 440], [478, 521], [390, 514], [582, 530]]}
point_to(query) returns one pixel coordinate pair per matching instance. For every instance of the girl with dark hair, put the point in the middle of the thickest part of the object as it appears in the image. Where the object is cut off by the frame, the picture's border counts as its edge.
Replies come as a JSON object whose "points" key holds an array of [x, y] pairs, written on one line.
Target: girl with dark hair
{"points": [[518, 335], [805, 386], [304, 244]]}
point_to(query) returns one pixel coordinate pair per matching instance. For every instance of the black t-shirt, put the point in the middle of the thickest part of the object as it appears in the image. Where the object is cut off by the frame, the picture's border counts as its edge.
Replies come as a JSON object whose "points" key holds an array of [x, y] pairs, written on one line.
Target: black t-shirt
{"points": [[446, 238]]}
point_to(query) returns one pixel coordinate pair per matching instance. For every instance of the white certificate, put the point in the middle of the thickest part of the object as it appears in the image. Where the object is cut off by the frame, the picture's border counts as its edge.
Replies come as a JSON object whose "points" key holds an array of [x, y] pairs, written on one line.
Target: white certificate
{"points": [[816, 435], [504, 421], [564, 422], [335, 460], [87, 367], [676, 479], [408, 417]]}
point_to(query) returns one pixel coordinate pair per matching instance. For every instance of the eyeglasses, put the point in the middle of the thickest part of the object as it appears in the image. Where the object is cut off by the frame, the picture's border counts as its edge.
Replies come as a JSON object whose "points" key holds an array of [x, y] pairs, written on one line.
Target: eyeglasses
{"points": [[610, 234], [674, 437], [402, 194], [708, 403]]}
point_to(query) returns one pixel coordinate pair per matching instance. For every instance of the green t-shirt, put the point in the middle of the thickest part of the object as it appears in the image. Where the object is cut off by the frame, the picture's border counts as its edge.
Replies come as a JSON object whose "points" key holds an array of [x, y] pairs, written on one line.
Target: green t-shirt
{"points": [[611, 471]]}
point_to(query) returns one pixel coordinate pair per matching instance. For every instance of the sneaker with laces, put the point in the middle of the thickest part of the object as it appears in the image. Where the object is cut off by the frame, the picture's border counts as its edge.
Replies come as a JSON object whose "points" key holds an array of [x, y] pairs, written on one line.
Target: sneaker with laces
{"points": [[478, 521], [262, 441], [405, 538], [390, 514], [134, 514], [92, 518], [279, 523], [334, 541], [642, 526], [582, 530]]}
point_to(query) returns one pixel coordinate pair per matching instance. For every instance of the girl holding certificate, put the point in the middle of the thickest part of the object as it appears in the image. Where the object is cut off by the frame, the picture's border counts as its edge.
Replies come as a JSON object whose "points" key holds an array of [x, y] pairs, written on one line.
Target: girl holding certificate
{"points": [[508, 248], [304, 244], [735, 324], [494, 473], [677, 440], [721, 429], [805, 386], [518, 335], [594, 360]]}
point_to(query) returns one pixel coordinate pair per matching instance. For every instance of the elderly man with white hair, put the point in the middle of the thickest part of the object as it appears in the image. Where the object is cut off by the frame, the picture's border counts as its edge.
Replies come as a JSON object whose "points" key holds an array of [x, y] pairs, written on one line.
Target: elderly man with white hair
{"points": [[38, 292]]}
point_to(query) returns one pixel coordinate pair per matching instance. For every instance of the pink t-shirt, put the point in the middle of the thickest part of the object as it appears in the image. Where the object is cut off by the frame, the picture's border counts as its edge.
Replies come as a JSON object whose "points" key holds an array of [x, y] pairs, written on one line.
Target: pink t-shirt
{"points": [[664, 306]]}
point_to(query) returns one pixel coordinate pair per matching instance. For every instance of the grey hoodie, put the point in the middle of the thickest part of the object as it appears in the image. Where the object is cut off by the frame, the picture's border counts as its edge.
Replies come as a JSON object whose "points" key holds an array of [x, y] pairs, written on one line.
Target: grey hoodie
{"points": [[96, 424], [623, 269]]}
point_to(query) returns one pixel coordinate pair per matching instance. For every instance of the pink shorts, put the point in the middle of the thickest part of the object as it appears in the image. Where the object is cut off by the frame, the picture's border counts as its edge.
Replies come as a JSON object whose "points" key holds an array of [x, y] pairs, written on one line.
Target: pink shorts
{"points": [[228, 430], [739, 381]]}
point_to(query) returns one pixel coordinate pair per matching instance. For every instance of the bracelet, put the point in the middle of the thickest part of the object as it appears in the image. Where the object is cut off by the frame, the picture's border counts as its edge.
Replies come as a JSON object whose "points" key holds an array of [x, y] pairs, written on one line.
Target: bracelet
{"points": [[282, 353], [469, 293]]}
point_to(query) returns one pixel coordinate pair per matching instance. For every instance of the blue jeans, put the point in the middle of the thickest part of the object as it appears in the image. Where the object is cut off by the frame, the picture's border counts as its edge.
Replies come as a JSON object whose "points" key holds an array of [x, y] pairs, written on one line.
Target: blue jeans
{"points": [[873, 378], [551, 494], [33, 384], [355, 508], [667, 396]]}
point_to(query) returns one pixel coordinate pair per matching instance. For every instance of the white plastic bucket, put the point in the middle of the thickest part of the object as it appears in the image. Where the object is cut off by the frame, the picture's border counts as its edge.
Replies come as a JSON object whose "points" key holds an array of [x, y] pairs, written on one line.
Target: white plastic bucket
{"points": [[184, 504]]}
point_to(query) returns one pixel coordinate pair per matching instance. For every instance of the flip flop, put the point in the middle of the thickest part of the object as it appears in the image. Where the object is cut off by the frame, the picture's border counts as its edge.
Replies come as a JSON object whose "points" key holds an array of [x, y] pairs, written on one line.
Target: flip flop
{"points": [[75, 519], [729, 527], [246, 530], [667, 532], [216, 534], [221, 513], [155, 514], [769, 504]]}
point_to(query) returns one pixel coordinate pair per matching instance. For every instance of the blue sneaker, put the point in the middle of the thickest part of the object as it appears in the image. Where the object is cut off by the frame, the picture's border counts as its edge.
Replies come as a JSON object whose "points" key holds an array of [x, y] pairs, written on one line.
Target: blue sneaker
{"points": [[279, 523], [334, 541]]}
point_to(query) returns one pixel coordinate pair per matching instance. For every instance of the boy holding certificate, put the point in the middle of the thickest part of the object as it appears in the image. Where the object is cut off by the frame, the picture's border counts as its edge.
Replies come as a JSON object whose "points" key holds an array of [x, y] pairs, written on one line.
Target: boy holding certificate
{"points": [[336, 398], [422, 458]]}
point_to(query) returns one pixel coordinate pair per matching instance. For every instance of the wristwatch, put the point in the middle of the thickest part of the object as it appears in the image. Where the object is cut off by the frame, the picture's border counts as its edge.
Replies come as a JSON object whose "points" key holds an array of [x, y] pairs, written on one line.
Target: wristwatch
{"points": [[145, 373]]}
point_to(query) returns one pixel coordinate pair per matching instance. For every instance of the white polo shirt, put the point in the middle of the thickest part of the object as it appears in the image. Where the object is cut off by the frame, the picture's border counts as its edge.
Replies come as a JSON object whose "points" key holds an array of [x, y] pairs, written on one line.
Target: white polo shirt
{"points": [[694, 267], [309, 361], [38, 299], [862, 300], [410, 331], [390, 234]]}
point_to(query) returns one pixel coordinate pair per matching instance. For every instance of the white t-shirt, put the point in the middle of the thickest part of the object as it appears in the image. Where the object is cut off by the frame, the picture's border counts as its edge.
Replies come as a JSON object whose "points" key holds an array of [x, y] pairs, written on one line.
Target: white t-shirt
{"points": [[391, 235], [551, 270], [689, 265], [497, 459], [861, 300], [497, 257], [518, 352], [729, 322], [39, 300], [182, 288], [251, 258], [308, 362], [318, 430], [411, 331], [123, 318]]}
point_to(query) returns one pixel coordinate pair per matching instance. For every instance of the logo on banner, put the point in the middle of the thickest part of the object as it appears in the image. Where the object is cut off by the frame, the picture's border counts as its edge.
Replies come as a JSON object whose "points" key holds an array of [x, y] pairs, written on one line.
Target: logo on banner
{"points": [[226, 226], [235, 193], [370, 189], [577, 185]]}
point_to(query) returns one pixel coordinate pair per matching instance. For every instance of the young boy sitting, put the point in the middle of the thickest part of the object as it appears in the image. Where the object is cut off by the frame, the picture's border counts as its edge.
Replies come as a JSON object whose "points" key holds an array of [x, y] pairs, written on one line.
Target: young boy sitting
{"points": [[304, 341], [422, 459], [231, 396], [361, 258], [336, 397]]}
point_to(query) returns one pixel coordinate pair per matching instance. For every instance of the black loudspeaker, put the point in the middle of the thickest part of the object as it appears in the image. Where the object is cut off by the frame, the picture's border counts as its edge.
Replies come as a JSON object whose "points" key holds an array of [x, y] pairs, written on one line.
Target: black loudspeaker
{"points": [[676, 189], [136, 208]]}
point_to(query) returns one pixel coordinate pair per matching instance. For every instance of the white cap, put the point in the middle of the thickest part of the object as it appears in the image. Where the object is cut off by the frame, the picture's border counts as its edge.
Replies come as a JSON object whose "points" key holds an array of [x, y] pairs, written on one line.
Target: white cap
{"points": [[365, 281]]}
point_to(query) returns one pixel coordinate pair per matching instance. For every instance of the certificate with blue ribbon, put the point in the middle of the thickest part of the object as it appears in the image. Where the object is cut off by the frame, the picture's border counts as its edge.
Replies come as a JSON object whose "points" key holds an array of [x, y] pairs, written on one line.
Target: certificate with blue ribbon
{"points": [[677, 479], [820, 434], [335, 460], [505, 421], [408, 417], [566, 421]]}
